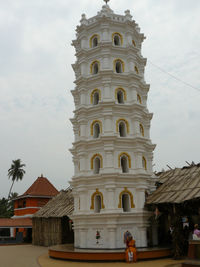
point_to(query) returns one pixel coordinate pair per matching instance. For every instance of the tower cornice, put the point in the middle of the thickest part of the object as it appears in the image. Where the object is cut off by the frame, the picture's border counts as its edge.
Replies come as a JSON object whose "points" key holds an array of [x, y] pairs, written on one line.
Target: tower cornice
{"points": [[129, 77], [107, 49], [138, 143], [132, 179], [132, 108]]}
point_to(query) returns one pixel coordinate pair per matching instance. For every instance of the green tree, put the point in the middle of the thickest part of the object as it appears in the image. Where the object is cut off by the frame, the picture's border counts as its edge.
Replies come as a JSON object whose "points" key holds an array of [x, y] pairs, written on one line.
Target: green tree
{"points": [[7, 206], [16, 172], [13, 195]]}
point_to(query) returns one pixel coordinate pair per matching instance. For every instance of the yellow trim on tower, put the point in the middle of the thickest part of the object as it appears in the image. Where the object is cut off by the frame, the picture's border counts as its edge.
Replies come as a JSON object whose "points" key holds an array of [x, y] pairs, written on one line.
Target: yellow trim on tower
{"points": [[125, 121], [121, 61], [120, 36], [136, 70], [123, 90], [92, 160], [91, 65], [92, 199], [139, 99], [144, 163], [127, 155], [133, 42], [93, 36], [126, 191], [92, 95], [92, 126], [141, 129]]}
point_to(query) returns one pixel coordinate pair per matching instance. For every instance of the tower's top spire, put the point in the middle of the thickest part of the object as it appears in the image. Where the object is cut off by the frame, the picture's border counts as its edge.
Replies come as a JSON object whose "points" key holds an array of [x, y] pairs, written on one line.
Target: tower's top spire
{"points": [[106, 1]]}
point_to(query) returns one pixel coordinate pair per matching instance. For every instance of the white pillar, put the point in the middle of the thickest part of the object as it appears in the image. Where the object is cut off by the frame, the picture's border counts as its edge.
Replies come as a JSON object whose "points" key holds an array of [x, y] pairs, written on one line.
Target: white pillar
{"points": [[82, 128], [108, 125], [111, 198], [140, 198], [84, 43], [11, 232], [83, 238], [143, 236], [105, 34], [108, 162], [107, 92], [84, 68], [112, 237]]}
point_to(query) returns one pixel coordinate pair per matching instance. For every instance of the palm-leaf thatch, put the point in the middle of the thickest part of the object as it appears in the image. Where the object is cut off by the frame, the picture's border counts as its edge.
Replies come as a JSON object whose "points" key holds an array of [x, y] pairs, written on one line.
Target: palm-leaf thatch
{"points": [[177, 185], [59, 206]]}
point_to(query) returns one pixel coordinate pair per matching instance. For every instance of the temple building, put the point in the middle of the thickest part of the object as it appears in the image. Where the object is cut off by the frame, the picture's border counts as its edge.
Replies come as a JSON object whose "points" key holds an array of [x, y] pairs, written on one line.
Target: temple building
{"points": [[35, 197], [112, 151]]}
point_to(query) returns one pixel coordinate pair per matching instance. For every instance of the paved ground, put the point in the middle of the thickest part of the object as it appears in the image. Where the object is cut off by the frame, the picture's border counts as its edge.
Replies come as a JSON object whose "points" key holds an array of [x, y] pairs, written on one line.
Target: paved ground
{"points": [[33, 256], [45, 261], [20, 255]]}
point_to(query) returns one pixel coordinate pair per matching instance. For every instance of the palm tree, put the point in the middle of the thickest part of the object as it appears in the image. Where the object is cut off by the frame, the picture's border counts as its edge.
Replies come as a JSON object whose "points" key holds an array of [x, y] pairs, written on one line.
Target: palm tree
{"points": [[13, 195], [16, 172]]}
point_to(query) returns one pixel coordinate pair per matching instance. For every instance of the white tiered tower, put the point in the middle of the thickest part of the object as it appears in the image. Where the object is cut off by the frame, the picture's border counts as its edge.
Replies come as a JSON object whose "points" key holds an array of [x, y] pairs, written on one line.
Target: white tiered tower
{"points": [[112, 151]]}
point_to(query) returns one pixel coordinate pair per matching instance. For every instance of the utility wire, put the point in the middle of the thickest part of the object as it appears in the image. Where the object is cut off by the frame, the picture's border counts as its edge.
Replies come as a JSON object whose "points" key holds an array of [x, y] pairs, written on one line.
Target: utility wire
{"points": [[176, 78]]}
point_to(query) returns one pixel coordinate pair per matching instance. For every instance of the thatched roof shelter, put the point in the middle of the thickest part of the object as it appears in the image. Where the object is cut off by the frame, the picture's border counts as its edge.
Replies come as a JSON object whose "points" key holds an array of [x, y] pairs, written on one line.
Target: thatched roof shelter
{"points": [[177, 200], [59, 206], [52, 224], [177, 185]]}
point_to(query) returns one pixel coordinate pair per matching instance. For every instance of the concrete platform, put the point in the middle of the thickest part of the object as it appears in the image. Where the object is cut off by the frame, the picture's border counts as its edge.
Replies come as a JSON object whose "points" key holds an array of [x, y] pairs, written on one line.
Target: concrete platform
{"points": [[68, 252]]}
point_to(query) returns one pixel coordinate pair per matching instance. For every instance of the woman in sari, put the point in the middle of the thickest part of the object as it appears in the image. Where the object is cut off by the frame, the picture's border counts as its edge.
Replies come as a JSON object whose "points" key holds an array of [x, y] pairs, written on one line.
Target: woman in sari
{"points": [[131, 253]]}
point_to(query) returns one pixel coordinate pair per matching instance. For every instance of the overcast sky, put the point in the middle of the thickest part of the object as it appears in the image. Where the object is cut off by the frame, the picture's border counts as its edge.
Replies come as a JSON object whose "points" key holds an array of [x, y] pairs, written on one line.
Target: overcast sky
{"points": [[36, 78]]}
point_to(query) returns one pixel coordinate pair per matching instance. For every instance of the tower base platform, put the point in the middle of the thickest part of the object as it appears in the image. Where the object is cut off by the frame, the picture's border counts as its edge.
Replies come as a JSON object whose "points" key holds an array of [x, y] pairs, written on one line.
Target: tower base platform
{"points": [[68, 252]]}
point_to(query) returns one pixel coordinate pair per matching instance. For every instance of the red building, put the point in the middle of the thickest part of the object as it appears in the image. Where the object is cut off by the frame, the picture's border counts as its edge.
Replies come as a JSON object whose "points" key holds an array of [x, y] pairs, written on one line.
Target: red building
{"points": [[37, 195]]}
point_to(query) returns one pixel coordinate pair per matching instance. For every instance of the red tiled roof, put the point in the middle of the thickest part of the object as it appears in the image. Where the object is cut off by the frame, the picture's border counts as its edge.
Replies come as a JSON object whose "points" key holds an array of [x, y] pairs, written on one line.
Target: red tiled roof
{"points": [[41, 187], [9, 222]]}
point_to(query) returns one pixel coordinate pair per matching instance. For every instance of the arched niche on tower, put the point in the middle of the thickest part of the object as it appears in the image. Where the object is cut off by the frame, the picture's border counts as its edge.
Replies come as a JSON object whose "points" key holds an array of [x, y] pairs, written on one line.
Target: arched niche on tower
{"points": [[120, 95], [123, 203], [94, 67], [96, 163], [117, 39], [124, 161], [97, 202], [96, 128], [95, 97], [118, 65], [94, 40], [122, 127], [144, 163], [126, 202]]}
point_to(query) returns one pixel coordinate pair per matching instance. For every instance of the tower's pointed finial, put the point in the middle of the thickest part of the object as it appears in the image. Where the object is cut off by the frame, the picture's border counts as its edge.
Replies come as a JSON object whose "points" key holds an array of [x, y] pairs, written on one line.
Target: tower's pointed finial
{"points": [[106, 1]]}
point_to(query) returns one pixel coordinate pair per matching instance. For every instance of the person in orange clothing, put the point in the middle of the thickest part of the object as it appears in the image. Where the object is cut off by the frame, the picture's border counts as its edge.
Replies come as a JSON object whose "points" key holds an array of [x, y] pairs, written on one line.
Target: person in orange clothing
{"points": [[131, 253], [127, 236]]}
